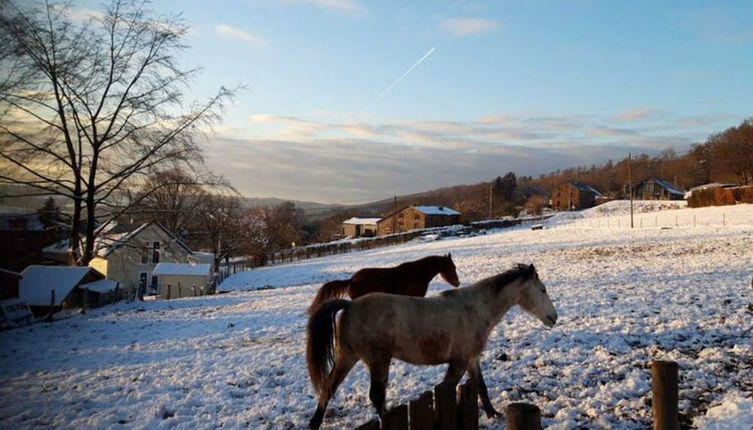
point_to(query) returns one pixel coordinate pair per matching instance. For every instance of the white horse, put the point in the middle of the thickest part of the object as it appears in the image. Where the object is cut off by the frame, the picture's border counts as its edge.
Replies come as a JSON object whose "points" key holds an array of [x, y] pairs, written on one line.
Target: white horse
{"points": [[451, 328]]}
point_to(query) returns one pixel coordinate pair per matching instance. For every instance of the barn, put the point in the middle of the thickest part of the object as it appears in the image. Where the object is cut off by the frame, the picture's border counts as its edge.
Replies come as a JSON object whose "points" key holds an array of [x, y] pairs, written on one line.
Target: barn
{"points": [[657, 189], [416, 218], [574, 195]]}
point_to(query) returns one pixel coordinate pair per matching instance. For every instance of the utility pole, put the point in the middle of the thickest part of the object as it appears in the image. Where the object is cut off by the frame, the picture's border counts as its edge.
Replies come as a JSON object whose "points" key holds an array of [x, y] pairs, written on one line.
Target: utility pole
{"points": [[394, 215], [630, 189], [491, 186]]}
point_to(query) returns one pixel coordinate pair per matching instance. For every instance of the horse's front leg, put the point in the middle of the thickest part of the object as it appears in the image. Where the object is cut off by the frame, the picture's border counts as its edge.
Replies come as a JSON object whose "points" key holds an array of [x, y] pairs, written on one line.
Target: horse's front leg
{"points": [[474, 371]]}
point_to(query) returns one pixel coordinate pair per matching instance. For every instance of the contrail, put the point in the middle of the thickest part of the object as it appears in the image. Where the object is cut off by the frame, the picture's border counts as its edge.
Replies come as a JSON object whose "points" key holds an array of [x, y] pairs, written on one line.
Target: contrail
{"points": [[420, 60]]}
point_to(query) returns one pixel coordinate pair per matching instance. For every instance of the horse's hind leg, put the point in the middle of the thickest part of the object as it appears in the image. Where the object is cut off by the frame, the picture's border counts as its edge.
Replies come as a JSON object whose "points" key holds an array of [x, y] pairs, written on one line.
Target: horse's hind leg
{"points": [[454, 372], [343, 364], [474, 371], [379, 377]]}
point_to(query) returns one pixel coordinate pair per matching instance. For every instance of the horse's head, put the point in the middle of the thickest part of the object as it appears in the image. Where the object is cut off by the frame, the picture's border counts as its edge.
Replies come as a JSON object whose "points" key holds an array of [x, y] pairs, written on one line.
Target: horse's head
{"points": [[534, 299], [448, 272]]}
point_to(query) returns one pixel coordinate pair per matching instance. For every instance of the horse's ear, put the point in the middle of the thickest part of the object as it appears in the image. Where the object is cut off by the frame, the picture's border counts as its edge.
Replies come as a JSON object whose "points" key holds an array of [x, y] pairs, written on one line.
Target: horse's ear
{"points": [[449, 256], [531, 270]]}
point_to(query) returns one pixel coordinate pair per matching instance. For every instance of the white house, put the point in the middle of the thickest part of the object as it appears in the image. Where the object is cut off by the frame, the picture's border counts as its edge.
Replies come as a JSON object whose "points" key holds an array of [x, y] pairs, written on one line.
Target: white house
{"points": [[131, 258]]}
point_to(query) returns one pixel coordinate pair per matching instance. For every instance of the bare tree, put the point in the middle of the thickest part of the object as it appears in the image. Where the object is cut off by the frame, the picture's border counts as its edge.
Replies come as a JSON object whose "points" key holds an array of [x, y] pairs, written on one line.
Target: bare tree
{"points": [[92, 108]]}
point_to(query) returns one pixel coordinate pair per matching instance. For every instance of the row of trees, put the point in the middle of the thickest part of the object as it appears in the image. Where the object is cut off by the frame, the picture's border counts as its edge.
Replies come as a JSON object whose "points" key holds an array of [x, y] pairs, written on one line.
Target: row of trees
{"points": [[92, 108]]}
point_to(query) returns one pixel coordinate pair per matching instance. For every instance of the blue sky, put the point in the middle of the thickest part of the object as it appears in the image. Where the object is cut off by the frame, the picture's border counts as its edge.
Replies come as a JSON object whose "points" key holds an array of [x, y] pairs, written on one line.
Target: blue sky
{"points": [[528, 86]]}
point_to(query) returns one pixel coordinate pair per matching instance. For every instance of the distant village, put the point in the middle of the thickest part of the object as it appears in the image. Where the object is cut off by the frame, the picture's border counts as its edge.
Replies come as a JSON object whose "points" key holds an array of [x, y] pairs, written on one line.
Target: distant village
{"points": [[148, 260]]}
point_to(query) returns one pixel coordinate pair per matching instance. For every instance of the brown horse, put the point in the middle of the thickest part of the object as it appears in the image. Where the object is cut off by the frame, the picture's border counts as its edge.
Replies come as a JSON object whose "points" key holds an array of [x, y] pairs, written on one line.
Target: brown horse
{"points": [[451, 328], [408, 279]]}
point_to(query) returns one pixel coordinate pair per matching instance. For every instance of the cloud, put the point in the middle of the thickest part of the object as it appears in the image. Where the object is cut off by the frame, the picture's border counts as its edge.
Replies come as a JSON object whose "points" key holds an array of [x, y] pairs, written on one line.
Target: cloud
{"points": [[468, 26], [331, 159], [349, 7], [638, 114], [229, 32]]}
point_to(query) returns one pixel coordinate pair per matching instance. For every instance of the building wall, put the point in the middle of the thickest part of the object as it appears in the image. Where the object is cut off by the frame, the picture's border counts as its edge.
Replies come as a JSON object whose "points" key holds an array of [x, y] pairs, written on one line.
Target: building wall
{"points": [[412, 219], [650, 190], [182, 286], [124, 263], [568, 197]]}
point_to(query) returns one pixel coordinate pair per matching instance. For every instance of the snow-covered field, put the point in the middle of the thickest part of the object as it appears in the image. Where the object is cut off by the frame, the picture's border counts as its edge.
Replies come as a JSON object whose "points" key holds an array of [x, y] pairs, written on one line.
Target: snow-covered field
{"points": [[236, 360]]}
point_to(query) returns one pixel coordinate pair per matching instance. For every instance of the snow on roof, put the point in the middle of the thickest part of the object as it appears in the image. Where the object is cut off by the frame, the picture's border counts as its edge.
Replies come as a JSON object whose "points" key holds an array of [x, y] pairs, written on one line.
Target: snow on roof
{"points": [[361, 221], [668, 186], [101, 286], [38, 282], [583, 187], [186, 269], [436, 210]]}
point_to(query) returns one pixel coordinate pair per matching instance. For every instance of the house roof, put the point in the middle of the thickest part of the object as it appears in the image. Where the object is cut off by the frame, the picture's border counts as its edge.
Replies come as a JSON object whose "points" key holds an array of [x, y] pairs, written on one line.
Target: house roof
{"points": [[4, 273], [184, 269], [712, 185], [436, 210], [39, 281], [101, 286], [583, 187], [120, 240], [21, 222], [361, 221], [668, 186]]}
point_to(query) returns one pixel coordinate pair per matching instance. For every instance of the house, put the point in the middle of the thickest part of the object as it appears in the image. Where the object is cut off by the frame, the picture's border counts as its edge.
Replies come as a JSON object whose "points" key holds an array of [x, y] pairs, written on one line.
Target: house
{"points": [[23, 237], [574, 195], [13, 311], [59, 287], [357, 227], [417, 217], [130, 258], [657, 189], [178, 280], [9, 281]]}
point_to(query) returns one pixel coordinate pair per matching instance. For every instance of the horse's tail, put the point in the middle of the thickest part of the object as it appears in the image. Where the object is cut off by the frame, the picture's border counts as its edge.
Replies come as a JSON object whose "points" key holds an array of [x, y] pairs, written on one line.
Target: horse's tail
{"points": [[330, 290], [320, 354]]}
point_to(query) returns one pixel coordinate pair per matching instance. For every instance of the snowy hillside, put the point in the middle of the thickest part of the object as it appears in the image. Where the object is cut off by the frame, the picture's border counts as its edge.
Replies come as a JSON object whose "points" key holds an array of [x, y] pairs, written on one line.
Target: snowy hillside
{"points": [[235, 360]]}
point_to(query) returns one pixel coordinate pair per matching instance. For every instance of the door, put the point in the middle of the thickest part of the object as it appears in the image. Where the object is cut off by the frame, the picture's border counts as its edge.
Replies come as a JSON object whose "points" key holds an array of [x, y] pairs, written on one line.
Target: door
{"points": [[154, 285]]}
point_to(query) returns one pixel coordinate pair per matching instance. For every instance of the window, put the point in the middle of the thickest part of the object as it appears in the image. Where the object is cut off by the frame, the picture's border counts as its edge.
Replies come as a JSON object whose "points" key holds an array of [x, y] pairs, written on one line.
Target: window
{"points": [[416, 216], [400, 215], [144, 254], [155, 252]]}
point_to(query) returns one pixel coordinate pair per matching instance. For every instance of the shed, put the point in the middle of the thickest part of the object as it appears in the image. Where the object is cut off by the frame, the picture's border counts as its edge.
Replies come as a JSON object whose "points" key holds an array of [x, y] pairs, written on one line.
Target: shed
{"points": [[358, 226], [101, 292], [59, 286], [183, 279]]}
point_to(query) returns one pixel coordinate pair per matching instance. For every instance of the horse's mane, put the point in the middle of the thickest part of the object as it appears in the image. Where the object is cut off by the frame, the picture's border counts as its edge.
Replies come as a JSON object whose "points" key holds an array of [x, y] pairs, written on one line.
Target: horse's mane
{"points": [[499, 281], [524, 271]]}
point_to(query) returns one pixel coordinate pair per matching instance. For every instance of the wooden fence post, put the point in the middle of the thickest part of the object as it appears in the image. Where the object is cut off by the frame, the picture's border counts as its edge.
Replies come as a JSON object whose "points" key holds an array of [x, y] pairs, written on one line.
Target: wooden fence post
{"points": [[522, 416], [84, 301], [52, 307], [445, 407], [422, 412], [371, 425], [468, 406], [169, 288], [396, 418], [664, 378]]}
